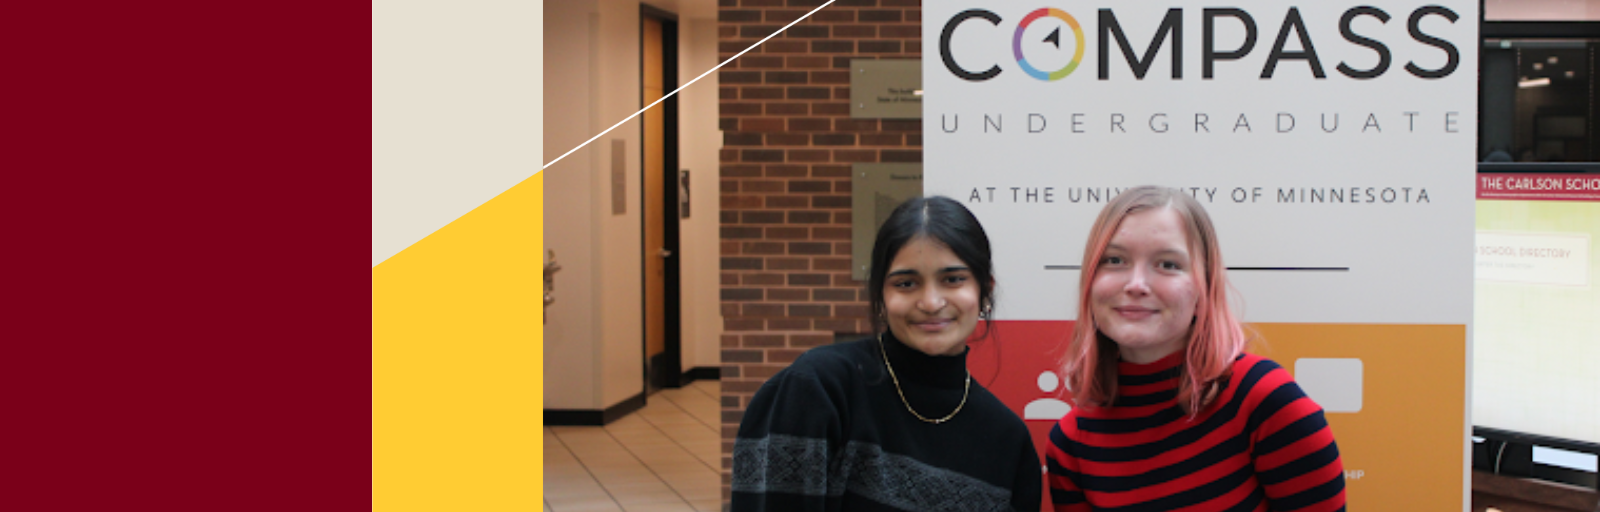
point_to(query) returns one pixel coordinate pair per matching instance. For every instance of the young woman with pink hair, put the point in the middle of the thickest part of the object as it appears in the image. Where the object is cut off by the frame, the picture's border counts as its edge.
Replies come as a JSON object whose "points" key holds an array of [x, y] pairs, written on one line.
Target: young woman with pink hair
{"points": [[1169, 411]]}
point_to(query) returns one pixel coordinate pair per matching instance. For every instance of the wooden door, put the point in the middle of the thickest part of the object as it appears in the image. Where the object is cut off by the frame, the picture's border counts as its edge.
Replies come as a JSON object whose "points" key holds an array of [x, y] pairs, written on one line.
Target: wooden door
{"points": [[654, 178]]}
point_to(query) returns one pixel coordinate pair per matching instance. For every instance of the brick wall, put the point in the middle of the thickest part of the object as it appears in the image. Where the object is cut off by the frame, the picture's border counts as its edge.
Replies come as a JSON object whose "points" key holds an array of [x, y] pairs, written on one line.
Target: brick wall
{"points": [[788, 142]]}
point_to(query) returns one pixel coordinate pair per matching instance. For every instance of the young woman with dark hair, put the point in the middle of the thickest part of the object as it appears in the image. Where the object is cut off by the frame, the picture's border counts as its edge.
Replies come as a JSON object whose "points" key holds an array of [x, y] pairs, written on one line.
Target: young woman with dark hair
{"points": [[1169, 411], [894, 422]]}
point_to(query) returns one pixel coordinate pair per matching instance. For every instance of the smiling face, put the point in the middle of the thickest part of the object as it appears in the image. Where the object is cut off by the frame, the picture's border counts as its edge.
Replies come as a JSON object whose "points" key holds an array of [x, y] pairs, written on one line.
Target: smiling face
{"points": [[930, 298], [1145, 289]]}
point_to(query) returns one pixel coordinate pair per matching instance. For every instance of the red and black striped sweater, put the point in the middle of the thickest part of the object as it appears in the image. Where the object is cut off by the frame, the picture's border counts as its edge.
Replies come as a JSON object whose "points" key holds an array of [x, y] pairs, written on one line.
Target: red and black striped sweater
{"points": [[1260, 445]]}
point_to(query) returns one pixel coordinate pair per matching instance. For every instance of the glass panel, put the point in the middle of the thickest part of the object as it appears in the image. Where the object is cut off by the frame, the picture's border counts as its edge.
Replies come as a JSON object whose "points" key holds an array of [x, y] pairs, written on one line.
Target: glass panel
{"points": [[1538, 101], [1541, 10]]}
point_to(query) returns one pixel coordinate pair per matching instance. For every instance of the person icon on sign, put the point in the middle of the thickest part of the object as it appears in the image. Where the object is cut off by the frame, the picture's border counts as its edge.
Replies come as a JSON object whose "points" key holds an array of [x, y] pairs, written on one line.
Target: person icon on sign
{"points": [[1047, 408]]}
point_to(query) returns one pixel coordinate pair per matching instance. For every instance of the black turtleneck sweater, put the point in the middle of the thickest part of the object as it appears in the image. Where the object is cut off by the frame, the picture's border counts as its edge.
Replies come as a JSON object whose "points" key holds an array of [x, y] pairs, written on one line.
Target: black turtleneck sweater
{"points": [[830, 433]]}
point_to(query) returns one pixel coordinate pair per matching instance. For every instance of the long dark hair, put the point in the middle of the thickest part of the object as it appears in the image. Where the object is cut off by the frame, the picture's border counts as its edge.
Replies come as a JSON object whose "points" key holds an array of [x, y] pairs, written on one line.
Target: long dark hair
{"points": [[939, 218]]}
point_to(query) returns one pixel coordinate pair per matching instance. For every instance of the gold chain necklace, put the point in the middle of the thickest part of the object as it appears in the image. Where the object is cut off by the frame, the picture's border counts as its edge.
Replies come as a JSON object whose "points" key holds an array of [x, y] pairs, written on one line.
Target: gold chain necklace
{"points": [[902, 392]]}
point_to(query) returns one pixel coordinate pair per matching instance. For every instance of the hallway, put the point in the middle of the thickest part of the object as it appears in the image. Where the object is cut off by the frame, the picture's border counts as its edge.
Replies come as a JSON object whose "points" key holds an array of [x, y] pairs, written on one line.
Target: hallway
{"points": [[663, 458]]}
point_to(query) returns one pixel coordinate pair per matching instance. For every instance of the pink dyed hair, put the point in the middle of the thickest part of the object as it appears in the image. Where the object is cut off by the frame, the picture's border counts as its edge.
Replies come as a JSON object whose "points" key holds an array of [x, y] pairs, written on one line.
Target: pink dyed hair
{"points": [[1215, 339]]}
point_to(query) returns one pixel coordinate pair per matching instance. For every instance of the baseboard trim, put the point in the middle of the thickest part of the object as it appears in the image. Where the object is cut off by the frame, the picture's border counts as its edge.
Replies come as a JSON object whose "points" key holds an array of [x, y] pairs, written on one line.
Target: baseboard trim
{"points": [[662, 372], [702, 373], [572, 417], [592, 417]]}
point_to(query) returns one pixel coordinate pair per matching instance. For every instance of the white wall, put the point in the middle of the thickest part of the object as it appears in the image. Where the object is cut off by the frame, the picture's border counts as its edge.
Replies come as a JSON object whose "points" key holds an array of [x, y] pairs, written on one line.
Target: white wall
{"points": [[621, 329], [701, 142], [686, 9], [593, 332], [593, 358]]}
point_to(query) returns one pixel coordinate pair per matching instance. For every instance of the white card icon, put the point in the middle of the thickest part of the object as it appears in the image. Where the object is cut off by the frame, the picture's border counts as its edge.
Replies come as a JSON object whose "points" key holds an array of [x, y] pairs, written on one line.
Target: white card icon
{"points": [[1335, 384]]}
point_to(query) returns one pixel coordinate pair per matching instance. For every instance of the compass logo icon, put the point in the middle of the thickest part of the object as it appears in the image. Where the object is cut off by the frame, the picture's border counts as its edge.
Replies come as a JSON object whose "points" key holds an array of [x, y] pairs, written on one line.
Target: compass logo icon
{"points": [[1054, 38]]}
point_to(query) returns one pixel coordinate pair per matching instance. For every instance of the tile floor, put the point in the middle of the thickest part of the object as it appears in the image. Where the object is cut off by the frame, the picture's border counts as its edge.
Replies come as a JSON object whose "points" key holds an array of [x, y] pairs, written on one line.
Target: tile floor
{"points": [[663, 458]]}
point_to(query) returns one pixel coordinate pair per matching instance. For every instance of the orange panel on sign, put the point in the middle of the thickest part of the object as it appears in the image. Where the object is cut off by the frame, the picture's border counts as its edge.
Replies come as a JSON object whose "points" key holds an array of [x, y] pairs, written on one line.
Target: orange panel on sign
{"points": [[1405, 448]]}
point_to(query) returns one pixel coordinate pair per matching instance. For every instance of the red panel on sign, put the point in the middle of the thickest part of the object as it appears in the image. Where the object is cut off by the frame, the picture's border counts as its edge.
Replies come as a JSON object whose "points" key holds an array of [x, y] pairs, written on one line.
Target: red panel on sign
{"points": [[1539, 187], [1020, 362]]}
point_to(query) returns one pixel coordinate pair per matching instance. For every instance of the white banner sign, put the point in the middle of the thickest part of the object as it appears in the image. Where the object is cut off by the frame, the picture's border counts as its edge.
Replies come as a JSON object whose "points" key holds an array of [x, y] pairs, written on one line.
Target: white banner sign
{"points": [[1331, 142]]}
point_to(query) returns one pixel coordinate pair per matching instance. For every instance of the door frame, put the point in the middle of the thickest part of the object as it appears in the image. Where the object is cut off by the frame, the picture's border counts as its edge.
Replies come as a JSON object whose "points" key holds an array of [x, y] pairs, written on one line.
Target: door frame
{"points": [[668, 365]]}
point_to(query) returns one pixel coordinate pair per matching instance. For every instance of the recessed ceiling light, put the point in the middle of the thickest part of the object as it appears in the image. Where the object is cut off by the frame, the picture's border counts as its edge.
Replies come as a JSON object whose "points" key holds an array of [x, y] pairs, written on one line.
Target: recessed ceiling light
{"points": [[1552, 59], [1571, 74], [1538, 66]]}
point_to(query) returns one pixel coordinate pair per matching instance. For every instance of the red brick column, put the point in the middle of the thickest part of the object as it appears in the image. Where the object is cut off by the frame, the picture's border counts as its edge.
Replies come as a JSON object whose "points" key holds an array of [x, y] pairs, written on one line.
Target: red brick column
{"points": [[788, 142]]}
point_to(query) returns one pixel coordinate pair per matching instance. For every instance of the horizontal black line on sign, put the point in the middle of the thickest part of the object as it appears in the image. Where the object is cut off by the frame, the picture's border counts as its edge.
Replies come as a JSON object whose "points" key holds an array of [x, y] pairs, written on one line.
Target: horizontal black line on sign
{"points": [[1277, 269]]}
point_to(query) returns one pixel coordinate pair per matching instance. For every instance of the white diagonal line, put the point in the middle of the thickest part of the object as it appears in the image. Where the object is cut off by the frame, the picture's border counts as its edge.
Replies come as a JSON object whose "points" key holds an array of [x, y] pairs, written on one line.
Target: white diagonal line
{"points": [[691, 82]]}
